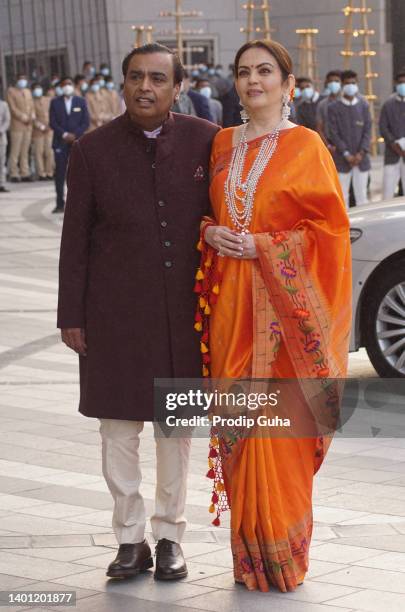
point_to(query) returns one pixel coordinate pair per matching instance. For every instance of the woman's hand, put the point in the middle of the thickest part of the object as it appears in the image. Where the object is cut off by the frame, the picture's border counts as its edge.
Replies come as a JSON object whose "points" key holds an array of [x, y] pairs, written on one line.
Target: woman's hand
{"points": [[229, 243]]}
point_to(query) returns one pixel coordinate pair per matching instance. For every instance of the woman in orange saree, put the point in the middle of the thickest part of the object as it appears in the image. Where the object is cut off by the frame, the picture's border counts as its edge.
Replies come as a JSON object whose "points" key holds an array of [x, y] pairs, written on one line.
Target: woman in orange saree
{"points": [[279, 308]]}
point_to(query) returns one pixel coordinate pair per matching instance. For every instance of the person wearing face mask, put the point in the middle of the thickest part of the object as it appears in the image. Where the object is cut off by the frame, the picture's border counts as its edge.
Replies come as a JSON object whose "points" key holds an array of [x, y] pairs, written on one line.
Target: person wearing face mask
{"points": [[350, 132], [98, 105], [105, 70], [183, 103], [42, 135], [69, 119], [88, 70], [4, 126], [21, 106], [81, 85], [204, 88], [113, 98], [392, 128], [306, 110], [333, 87]]}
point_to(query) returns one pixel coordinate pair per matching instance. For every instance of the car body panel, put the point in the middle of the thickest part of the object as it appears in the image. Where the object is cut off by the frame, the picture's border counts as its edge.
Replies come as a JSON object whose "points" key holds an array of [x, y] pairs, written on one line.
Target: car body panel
{"points": [[383, 235]]}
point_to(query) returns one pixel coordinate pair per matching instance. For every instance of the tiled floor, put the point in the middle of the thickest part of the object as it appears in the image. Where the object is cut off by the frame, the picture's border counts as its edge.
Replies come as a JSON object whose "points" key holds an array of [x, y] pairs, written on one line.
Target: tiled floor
{"points": [[55, 509]]}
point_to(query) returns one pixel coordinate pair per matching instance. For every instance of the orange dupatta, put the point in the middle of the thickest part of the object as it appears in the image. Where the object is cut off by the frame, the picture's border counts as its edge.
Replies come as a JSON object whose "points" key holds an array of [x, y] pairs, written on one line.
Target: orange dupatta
{"points": [[285, 315]]}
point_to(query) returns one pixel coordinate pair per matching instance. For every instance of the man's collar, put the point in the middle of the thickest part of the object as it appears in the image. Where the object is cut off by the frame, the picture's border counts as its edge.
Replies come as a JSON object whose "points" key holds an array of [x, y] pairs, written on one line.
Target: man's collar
{"points": [[350, 102], [398, 97], [166, 127]]}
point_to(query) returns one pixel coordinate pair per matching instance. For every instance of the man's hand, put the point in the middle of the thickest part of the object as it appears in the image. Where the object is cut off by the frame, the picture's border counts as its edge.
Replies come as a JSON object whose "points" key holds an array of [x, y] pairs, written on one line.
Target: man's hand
{"points": [[351, 159], [358, 157], [69, 137], [74, 338], [397, 149]]}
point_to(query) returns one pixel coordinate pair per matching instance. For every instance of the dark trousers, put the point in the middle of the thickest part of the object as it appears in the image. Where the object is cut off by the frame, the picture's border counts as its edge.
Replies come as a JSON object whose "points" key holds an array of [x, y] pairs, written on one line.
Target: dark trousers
{"points": [[61, 162]]}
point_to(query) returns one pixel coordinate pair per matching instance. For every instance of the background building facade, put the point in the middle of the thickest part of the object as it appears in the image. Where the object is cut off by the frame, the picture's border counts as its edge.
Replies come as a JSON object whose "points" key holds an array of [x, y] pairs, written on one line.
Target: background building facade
{"points": [[42, 37]]}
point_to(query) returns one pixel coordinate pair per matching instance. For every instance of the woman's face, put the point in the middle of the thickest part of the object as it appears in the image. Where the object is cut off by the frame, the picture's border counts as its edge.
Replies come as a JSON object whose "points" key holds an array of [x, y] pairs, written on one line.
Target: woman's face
{"points": [[259, 80]]}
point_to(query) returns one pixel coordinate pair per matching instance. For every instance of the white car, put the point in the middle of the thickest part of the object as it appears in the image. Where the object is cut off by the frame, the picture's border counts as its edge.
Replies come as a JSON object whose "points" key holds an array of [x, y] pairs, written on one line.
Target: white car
{"points": [[378, 253]]}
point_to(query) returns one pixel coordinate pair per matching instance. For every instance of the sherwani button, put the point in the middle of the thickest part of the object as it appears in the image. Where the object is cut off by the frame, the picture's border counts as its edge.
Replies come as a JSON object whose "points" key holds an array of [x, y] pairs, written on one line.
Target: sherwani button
{"points": [[167, 243], [163, 223], [161, 203], [168, 264]]}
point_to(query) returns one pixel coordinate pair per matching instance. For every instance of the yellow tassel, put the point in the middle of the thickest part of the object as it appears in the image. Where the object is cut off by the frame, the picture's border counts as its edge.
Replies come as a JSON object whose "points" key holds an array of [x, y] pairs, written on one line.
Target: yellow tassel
{"points": [[199, 246], [203, 347], [220, 487], [203, 302], [205, 371], [207, 310], [215, 289], [214, 442], [210, 463], [212, 508], [208, 263], [198, 326], [200, 274]]}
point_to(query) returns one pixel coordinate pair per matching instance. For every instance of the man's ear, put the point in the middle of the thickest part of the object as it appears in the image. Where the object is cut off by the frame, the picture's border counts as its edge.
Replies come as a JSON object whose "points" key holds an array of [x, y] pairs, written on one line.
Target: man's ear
{"points": [[176, 92]]}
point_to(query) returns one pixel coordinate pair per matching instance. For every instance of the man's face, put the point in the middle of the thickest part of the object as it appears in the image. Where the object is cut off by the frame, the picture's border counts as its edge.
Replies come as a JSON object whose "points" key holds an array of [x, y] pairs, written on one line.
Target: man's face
{"points": [[203, 84], [149, 88]]}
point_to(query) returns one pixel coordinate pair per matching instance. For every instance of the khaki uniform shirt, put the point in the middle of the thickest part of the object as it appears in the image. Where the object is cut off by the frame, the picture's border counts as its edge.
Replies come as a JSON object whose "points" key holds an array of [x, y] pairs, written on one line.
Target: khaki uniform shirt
{"points": [[21, 108]]}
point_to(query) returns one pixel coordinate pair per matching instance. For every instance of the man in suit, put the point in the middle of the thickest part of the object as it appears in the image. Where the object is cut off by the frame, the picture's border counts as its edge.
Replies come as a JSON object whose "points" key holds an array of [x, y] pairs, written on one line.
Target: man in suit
{"points": [[69, 119], [137, 190]]}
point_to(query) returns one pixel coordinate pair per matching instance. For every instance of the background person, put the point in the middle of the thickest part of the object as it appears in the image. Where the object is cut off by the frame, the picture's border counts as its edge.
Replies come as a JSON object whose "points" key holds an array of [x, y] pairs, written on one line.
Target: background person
{"points": [[392, 128], [42, 135], [350, 133], [22, 112], [69, 119]]}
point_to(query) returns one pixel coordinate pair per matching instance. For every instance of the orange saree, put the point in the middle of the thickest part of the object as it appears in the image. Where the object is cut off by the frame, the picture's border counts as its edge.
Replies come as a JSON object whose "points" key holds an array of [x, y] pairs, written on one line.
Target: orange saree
{"points": [[285, 315]]}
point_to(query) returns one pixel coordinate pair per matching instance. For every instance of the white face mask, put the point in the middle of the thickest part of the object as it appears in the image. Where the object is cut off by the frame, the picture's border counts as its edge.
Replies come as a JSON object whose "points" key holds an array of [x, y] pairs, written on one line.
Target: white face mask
{"points": [[308, 93], [334, 87], [110, 85], [68, 90], [105, 71], [101, 82], [206, 92], [350, 89], [22, 83], [95, 87], [84, 87], [37, 92], [59, 90]]}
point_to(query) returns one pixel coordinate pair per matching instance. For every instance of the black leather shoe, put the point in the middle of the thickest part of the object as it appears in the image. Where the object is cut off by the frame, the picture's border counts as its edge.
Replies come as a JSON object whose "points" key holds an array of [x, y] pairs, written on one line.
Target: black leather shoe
{"points": [[27, 179], [15, 179], [58, 209], [130, 560], [4, 190], [170, 563]]}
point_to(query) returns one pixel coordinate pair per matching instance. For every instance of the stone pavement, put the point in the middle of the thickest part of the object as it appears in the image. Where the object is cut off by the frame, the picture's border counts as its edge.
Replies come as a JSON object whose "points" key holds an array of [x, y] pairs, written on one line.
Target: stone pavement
{"points": [[55, 510]]}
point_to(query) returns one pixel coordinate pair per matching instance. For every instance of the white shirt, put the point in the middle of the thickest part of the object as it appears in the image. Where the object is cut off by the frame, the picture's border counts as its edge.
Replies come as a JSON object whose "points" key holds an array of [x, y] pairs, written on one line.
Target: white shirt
{"points": [[154, 133], [350, 102], [68, 104]]}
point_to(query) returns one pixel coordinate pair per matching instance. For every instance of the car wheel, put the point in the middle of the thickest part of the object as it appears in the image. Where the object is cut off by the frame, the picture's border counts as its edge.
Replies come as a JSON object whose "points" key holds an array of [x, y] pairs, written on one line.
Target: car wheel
{"points": [[384, 322]]}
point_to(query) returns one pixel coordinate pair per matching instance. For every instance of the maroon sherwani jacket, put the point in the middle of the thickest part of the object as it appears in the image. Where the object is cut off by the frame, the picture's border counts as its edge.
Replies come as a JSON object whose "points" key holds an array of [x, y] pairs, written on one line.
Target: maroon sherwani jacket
{"points": [[128, 259]]}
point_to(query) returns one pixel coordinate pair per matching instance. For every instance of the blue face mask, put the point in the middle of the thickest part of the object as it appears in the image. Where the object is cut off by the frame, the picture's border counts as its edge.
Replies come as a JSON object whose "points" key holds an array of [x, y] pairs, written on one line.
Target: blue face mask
{"points": [[59, 90], [110, 85], [334, 87], [37, 92], [95, 87], [350, 89], [297, 93], [101, 82], [401, 89], [105, 71], [22, 83], [308, 93], [84, 87], [211, 71]]}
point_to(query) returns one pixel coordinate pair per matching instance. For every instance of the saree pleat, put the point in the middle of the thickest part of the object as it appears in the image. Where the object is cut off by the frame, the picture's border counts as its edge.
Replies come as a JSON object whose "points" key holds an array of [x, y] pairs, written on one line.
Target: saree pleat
{"points": [[285, 315]]}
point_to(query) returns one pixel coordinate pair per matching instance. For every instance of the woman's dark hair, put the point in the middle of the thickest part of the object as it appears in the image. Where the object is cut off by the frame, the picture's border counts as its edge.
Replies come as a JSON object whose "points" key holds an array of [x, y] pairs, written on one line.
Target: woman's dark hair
{"points": [[277, 50], [156, 48]]}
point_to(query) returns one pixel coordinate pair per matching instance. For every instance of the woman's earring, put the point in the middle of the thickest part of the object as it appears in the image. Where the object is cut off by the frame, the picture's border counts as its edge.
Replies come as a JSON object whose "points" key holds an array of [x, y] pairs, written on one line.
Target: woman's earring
{"points": [[286, 109], [244, 115]]}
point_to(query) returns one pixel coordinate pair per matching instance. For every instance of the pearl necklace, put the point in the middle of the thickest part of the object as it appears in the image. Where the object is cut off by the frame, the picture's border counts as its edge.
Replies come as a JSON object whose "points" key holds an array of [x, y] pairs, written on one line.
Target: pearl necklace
{"points": [[239, 194]]}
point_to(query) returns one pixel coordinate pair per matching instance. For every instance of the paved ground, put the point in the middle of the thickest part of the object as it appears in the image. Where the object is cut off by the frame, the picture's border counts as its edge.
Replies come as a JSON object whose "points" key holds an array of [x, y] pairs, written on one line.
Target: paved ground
{"points": [[55, 510]]}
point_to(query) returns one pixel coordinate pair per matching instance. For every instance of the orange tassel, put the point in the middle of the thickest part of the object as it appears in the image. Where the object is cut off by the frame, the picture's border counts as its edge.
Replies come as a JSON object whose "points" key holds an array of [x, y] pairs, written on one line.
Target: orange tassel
{"points": [[207, 310], [199, 275], [203, 347], [198, 327], [205, 371], [203, 302], [199, 246], [215, 289], [211, 509]]}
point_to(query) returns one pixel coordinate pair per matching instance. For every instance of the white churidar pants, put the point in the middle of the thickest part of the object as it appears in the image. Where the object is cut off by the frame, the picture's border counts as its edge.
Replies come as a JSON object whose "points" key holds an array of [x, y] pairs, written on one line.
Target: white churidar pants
{"points": [[122, 472], [360, 180], [392, 174]]}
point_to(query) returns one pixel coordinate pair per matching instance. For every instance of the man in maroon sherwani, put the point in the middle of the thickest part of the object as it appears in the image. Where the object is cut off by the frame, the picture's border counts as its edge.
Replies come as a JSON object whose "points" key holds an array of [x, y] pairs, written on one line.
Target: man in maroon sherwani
{"points": [[137, 189]]}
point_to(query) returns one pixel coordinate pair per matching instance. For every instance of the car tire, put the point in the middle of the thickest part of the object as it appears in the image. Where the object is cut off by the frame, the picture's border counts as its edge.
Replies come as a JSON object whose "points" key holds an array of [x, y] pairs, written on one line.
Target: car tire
{"points": [[385, 300]]}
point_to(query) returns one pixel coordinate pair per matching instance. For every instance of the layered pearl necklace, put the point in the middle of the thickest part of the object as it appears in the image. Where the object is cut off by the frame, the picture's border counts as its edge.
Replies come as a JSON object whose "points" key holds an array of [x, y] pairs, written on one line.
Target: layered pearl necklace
{"points": [[239, 194]]}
